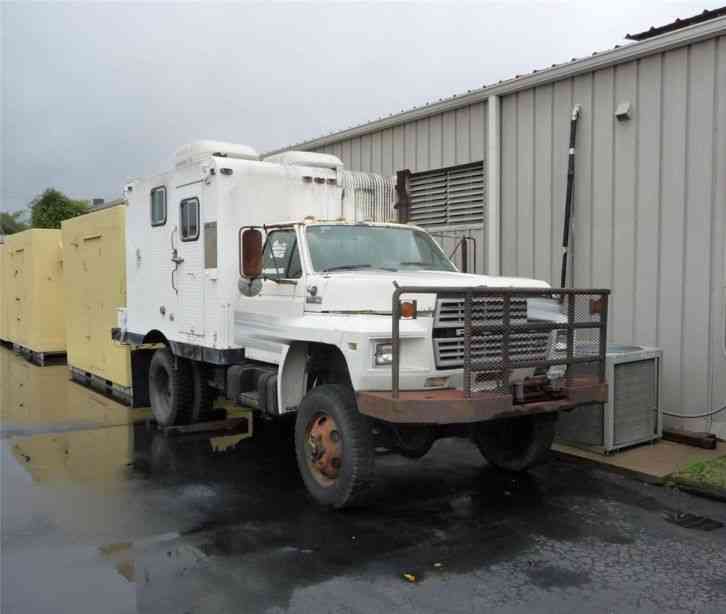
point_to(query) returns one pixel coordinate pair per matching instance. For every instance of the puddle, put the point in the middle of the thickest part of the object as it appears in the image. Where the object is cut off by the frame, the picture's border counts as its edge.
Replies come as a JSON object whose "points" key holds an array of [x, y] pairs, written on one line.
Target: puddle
{"points": [[209, 522], [101, 455], [44, 399]]}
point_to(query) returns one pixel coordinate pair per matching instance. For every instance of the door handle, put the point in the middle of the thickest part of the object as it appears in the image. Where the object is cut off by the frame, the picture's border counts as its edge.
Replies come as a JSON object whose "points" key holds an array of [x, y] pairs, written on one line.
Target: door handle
{"points": [[175, 259]]}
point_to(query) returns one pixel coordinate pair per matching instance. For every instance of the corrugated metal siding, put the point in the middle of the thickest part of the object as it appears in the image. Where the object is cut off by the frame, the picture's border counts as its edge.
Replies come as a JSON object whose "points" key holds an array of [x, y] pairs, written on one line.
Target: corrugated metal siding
{"points": [[649, 204], [446, 139], [650, 197]]}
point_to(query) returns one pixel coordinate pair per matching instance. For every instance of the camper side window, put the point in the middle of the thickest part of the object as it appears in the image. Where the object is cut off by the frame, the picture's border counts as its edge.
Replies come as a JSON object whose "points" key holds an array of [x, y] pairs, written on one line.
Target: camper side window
{"points": [[189, 219], [158, 206]]}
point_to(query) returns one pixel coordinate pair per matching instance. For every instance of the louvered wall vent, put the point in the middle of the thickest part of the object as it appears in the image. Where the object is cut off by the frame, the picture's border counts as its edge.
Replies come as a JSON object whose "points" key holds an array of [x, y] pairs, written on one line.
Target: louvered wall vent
{"points": [[448, 196]]}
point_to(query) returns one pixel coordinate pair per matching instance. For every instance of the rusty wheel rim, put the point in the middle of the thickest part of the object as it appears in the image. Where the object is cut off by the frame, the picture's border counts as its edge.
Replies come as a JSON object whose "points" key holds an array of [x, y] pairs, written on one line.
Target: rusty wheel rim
{"points": [[323, 448]]}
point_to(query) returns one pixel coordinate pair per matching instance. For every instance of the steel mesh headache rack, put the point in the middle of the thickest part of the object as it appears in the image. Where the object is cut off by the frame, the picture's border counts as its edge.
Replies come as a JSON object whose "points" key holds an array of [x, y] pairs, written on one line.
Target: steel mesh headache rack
{"points": [[513, 340]]}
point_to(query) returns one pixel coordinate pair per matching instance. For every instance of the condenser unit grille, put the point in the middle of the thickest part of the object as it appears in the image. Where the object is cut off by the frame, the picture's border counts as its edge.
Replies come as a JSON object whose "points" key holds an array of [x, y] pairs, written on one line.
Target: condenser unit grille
{"points": [[635, 400], [632, 413]]}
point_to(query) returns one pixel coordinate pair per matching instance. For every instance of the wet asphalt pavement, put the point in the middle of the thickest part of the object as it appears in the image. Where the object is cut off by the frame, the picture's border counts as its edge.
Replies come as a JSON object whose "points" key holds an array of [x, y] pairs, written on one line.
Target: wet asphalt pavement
{"points": [[103, 514]]}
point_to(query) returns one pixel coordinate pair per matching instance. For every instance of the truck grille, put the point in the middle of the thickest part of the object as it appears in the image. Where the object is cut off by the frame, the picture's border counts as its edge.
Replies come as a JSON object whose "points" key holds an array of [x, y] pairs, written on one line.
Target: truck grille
{"points": [[450, 311], [486, 347]]}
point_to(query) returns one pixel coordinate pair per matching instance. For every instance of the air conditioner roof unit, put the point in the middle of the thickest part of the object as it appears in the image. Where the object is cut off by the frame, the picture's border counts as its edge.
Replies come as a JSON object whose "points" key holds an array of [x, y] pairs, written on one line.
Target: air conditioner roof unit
{"points": [[306, 158], [197, 150]]}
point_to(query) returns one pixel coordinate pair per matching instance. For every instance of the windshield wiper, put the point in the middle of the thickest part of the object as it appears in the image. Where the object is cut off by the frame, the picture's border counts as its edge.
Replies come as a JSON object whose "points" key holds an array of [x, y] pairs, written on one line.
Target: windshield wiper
{"points": [[347, 267], [416, 263], [353, 267]]}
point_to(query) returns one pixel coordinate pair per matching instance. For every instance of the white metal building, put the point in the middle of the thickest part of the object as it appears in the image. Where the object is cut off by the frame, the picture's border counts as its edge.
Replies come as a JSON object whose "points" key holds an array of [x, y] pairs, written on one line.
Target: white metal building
{"points": [[650, 189]]}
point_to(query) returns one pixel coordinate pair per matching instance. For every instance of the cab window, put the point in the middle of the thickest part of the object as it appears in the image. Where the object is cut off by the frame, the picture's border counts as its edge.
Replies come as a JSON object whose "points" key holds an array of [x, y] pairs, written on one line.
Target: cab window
{"points": [[281, 257]]}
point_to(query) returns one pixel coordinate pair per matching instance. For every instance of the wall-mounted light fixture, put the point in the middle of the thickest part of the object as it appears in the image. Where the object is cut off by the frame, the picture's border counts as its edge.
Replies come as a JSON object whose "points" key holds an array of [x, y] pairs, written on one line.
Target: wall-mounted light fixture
{"points": [[623, 111]]}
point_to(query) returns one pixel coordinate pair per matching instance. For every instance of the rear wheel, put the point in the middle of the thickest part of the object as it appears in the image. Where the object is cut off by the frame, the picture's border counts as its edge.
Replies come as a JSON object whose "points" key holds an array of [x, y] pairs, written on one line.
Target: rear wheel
{"points": [[203, 394], [334, 446], [516, 444], [413, 441], [170, 388]]}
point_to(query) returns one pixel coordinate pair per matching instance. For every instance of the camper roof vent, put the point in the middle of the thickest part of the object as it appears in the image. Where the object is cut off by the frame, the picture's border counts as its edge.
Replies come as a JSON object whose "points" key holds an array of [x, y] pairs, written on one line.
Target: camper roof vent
{"points": [[306, 158], [198, 150]]}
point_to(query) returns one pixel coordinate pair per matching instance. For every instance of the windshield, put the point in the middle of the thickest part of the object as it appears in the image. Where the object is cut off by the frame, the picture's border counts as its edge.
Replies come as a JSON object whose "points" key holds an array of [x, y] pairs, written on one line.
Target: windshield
{"points": [[340, 247]]}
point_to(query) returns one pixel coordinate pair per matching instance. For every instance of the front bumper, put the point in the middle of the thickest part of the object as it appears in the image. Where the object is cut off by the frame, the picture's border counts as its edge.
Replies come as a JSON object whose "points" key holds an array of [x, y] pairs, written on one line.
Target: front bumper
{"points": [[450, 406]]}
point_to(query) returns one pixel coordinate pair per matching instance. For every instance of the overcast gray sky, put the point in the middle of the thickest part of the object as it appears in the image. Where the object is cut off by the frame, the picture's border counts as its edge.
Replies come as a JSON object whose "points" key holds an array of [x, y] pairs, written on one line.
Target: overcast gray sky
{"points": [[96, 93]]}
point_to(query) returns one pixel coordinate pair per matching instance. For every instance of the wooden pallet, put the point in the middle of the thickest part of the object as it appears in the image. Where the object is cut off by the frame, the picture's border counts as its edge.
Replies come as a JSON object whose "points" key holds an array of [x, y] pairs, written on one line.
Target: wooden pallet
{"points": [[121, 394], [40, 359]]}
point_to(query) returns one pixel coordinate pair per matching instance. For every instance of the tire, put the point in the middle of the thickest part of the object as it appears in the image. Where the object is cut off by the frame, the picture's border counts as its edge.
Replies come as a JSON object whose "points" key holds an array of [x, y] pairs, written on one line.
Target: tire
{"points": [[516, 444], [170, 388], [413, 441], [325, 410], [203, 395]]}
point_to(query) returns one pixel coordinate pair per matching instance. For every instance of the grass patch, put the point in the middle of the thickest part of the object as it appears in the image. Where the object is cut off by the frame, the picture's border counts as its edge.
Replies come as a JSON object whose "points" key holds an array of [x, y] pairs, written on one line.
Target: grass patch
{"points": [[704, 473]]}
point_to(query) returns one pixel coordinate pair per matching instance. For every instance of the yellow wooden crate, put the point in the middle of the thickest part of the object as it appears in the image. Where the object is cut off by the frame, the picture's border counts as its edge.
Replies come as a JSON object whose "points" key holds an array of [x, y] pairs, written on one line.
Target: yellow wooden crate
{"points": [[3, 308], [33, 290], [95, 268]]}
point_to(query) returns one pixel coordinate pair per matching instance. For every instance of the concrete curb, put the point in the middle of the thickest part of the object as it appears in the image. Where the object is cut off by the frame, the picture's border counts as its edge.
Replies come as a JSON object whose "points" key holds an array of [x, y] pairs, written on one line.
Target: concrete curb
{"points": [[694, 488], [631, 473], [702, 490]]}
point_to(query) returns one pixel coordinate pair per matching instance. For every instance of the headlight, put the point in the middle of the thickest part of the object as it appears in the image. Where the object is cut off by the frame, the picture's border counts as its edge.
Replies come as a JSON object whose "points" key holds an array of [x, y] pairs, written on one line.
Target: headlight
{"points": [[384, 354]]}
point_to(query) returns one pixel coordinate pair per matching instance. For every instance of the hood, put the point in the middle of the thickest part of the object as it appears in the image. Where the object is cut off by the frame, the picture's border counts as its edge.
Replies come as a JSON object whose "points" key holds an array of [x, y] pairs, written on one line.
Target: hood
{"points": [[372, 291]]}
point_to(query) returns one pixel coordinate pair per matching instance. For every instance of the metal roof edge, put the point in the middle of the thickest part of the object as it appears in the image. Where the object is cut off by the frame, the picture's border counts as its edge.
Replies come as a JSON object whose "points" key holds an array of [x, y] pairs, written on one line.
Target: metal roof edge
{"points": [[597, 61]]}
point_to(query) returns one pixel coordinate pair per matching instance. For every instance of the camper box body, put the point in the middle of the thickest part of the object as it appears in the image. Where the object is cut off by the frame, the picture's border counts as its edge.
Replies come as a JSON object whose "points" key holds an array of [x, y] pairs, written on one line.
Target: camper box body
{"points": [[183, 261]]}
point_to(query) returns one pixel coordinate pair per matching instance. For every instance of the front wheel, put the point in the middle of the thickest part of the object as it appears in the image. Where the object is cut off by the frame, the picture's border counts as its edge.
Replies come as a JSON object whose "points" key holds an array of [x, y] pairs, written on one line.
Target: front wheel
{"points": [[516, 444], [334, 447]]}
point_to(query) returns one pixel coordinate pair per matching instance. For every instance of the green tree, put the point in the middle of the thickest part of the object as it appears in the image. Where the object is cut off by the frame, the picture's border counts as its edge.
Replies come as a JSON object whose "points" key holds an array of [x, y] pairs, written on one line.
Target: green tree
{"points": [[52, 207], [10, 223]]}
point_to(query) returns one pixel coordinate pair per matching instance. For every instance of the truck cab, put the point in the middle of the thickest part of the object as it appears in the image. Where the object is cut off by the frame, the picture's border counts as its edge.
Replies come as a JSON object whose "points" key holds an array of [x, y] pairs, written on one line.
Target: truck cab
{"points": [[270, 284]]}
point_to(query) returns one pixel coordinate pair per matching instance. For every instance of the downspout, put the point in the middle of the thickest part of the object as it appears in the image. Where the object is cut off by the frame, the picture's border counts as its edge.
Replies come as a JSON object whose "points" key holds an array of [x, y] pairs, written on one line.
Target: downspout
{"points": [[569, 209], [493, 225]]}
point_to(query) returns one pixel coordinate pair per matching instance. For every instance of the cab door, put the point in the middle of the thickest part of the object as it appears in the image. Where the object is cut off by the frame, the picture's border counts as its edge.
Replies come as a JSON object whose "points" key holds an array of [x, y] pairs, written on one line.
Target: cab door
{"points": [[282, 285]]}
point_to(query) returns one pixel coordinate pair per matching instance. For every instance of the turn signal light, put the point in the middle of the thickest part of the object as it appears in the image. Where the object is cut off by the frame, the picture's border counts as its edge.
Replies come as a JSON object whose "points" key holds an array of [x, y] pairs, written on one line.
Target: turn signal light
{"points": [[596, 306], [408, 309]]}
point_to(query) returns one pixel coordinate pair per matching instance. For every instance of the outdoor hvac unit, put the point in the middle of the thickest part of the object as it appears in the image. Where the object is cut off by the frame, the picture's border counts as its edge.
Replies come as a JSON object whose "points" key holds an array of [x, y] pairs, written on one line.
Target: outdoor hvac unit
{"points": [[633, 412]]}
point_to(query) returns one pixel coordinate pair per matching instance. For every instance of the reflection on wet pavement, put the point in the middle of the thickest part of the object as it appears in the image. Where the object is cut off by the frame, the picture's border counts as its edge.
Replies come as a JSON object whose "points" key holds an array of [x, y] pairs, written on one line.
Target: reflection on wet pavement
{"points": [[103, 513], [42, 399]]}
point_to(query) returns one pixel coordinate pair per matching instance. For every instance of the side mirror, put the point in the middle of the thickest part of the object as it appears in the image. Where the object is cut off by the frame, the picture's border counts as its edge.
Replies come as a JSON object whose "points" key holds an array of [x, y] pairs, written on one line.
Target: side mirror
{"points": [[251, 245]]}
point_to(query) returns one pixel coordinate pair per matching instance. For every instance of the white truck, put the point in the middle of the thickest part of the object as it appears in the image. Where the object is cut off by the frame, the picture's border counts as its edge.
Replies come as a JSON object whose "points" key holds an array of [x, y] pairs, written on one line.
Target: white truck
{"points": [[264, 281]]}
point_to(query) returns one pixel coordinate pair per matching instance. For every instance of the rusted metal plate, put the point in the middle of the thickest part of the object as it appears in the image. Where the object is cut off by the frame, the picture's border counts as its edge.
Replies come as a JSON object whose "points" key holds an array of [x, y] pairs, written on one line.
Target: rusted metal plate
{"points": [[241, 424], [450, 406]]}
